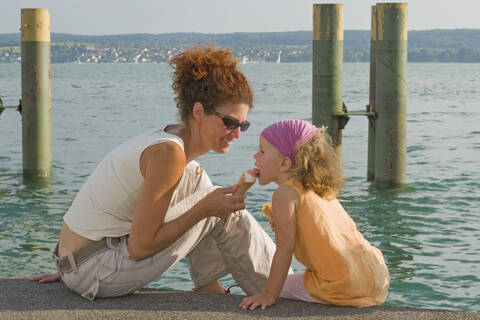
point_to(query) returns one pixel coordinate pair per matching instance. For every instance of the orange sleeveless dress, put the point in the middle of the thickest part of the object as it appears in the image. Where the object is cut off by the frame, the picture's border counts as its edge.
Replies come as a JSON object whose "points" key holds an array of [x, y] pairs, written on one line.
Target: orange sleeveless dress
{"points": [[342, 268]]}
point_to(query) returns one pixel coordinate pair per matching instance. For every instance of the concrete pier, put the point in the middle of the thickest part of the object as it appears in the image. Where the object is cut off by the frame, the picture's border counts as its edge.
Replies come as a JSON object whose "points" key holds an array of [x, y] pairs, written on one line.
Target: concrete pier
{"points": [[22, 299]]}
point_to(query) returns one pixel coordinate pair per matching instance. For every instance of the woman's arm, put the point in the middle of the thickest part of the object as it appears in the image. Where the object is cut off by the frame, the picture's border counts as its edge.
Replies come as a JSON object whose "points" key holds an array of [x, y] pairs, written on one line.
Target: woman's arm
{"points": [[162, 166], [284, 202]]}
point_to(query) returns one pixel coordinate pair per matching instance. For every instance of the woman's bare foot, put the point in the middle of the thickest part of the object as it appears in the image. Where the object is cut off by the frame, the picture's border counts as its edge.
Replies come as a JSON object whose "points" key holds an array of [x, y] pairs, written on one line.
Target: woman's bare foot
{"points": [[212, 287]]}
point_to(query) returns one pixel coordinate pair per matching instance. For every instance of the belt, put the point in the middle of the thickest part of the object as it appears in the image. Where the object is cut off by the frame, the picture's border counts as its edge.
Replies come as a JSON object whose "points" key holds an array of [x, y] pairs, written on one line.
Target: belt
{"points": [[73, 260]]}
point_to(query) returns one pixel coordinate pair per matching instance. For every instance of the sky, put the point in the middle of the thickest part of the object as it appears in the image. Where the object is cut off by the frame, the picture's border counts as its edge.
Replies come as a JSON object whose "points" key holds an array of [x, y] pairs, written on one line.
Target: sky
{"points": [[97, 17]]}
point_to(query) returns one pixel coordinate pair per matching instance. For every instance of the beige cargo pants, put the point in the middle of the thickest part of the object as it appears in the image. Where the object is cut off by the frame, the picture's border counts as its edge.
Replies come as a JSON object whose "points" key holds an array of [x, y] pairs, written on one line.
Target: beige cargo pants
{"points": [[213, 247]]}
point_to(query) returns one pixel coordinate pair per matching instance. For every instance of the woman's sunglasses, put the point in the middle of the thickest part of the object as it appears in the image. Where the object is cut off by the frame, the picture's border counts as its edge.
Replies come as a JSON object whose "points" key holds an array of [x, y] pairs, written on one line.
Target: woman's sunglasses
{"points": [[232, 124]]}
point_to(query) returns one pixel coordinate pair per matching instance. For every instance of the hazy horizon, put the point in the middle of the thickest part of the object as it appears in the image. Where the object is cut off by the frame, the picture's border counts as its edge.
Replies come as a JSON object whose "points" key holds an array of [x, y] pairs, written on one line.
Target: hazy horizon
{"points": [[109, 17]]}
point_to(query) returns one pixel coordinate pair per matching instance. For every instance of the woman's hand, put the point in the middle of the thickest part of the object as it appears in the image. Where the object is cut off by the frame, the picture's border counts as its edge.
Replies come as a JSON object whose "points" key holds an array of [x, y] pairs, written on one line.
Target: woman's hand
{"points": [[220, 202], [46, 278], [262, 300]]}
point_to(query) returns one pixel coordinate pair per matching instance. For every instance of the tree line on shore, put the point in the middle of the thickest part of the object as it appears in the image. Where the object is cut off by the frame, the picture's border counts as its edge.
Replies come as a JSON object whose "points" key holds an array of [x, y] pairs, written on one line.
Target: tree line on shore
{"points": [[459, 45]]}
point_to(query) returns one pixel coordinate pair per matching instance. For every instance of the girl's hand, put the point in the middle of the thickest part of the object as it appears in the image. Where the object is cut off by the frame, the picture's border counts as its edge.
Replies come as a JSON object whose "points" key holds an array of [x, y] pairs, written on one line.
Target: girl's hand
{"points": [[262, 300], [46, 278], [220, 202]]}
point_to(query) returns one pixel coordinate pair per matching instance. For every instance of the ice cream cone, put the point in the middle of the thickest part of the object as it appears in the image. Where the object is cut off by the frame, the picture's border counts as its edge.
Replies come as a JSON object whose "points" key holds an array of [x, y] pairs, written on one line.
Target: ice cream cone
{"points": [[247, 179]]}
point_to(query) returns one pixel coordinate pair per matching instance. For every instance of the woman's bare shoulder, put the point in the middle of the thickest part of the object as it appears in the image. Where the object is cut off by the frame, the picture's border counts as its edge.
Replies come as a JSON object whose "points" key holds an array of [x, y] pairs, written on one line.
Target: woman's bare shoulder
{"points": [[165, 156]]}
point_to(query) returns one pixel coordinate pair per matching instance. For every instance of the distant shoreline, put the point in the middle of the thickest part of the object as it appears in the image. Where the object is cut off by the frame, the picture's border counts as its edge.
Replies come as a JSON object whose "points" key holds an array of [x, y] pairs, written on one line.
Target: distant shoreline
{"points": [[444, 46]]}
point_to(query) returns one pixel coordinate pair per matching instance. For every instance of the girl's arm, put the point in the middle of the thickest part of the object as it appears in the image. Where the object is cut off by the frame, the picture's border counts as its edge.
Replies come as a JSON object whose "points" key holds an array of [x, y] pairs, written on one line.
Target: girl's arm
{"points": [[162, 166], [285, 203]]}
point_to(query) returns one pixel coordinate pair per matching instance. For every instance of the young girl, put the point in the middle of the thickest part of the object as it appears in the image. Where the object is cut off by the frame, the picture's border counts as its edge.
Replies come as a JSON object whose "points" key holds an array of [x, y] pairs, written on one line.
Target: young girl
{"points": [[342, 268]]}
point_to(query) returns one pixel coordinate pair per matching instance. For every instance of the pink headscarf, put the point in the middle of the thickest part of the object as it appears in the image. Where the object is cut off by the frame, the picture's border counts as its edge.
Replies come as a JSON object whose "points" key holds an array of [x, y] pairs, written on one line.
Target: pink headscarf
{"points": [[289, 135]]}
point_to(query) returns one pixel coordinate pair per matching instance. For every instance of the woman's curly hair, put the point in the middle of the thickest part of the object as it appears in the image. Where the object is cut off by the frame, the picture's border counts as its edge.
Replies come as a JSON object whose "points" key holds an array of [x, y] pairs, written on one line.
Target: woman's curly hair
{"points": [[210, 76], [317, 166]]}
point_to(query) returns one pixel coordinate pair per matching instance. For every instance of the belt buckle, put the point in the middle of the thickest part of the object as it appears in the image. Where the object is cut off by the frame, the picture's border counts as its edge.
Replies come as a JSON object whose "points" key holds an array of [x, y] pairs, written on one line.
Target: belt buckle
{"points": [[56, 260]]}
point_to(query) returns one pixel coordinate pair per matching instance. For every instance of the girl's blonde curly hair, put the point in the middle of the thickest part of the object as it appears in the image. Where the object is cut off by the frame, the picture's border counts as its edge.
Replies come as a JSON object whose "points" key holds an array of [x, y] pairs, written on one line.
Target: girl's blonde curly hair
{"points": [[317, 166]]}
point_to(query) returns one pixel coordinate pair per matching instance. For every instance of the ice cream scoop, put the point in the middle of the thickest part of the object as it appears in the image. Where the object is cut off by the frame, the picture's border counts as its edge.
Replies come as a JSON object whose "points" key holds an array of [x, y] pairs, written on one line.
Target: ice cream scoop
{"points": [[247, 179]]}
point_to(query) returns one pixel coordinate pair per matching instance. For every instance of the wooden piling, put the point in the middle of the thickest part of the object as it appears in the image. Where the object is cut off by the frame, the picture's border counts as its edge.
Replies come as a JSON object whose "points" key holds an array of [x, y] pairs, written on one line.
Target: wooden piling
{"points": [[36, 93], [327, 64], [390, 93], [371, 99]]}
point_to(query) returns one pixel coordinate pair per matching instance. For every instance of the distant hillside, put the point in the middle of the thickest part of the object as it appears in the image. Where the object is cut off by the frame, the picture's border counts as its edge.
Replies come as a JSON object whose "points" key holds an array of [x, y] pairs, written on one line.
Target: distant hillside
{"points": [[461, 45]]}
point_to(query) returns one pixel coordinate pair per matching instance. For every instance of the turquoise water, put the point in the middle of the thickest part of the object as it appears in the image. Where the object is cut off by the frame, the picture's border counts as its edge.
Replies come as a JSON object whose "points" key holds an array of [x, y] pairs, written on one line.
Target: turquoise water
{"points": [[428, 230]]}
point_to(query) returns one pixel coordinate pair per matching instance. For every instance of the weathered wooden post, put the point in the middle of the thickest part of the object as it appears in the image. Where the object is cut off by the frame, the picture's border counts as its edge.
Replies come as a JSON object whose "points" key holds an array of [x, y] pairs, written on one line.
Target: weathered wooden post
{"points": [[390, 93], [327, 64], [371, 99], [36, 93]]}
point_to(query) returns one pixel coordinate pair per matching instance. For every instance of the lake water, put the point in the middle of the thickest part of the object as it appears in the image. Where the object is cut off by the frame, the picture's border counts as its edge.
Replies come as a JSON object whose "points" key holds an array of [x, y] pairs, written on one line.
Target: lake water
{"points": [[428, 230]]}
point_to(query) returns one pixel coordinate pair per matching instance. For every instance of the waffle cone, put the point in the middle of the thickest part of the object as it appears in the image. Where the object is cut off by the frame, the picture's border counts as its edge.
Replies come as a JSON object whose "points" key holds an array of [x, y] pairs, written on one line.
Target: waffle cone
{"points": [[243, 186]]}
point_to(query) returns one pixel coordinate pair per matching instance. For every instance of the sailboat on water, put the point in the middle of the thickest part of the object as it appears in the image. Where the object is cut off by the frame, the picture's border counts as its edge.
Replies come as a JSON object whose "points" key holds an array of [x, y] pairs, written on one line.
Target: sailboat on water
{"points": [[278, 58]]}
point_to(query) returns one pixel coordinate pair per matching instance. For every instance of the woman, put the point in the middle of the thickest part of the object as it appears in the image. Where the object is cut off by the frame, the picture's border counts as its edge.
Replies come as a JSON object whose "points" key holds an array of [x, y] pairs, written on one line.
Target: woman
{"points": [[148, 204]]}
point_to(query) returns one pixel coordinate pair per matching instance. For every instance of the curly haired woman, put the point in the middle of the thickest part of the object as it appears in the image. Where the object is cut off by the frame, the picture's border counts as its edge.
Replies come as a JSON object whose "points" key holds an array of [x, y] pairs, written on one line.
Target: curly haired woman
{"points": [[149, 204]]}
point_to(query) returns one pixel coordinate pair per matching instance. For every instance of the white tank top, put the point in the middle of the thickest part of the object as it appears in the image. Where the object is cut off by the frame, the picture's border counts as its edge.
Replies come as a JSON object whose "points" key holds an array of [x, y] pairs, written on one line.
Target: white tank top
{"points": [[105, 204]]}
